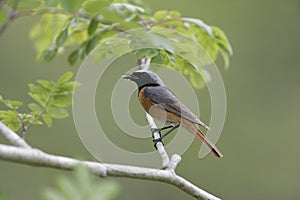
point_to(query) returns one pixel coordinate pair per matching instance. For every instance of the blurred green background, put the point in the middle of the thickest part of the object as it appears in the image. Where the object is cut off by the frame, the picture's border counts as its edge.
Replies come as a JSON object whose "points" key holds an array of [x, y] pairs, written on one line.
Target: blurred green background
{"points": [[261, 135]]}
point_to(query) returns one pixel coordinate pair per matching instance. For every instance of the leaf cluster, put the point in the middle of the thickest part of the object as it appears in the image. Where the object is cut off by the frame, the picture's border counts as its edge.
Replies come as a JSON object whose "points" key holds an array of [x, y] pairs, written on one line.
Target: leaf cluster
{"points": [[81, 185], [82, 24], [51, 98]]}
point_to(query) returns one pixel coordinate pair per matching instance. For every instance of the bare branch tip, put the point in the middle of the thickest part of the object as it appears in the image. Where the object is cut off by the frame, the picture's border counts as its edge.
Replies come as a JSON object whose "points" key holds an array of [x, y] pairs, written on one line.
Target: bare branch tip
{"points": [[175, 160]]}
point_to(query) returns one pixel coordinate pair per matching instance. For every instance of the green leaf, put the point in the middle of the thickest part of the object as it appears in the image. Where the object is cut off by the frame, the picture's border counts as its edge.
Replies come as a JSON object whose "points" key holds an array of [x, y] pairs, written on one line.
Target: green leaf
{"points": [[66, 87], [27, 117], [36, 122], [146, 53], [162, 42], [12, 104], [197, 80], [121, 13], [94, 7], [174, 14], [93, 26], [170, 57], [4, 114], [73, 57], [11, 119], [61, 100], [68, 188], [39, 89], [65, 77], [57, 113], [37, 109], [47, 119], [71, 5], [225, 48], [210, 46], [91, 44], [130, 7], [200, 24], [81, 51], [152, 39], [158, 59], [1, 99], [51, 3], [47, 84], [222, 40], [16, 104], [37, 98], [81, 185], [160, 15], [225, 57], [62, 37], [49, 54], [15, 126], [43, 33]]}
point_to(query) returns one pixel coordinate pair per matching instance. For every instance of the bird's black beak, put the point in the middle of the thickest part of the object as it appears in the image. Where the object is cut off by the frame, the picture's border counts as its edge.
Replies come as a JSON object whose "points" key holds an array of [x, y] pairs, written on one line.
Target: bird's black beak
{"points": [[128, 76]]}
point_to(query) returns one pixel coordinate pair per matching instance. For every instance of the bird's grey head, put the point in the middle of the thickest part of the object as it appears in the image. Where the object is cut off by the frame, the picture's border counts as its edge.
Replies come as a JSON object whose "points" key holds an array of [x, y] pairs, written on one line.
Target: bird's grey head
{"points": [[143, 77]]}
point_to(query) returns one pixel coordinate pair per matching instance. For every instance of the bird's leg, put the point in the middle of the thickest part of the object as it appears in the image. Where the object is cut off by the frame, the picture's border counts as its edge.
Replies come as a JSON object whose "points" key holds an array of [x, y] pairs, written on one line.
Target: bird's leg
{"points": [[172, 129], [164, 135], [160, 129], [156, 140]]}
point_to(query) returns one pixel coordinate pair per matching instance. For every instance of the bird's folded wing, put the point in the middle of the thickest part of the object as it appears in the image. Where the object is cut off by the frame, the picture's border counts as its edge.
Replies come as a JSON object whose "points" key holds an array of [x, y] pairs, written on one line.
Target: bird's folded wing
{"points": [[165, 99]]}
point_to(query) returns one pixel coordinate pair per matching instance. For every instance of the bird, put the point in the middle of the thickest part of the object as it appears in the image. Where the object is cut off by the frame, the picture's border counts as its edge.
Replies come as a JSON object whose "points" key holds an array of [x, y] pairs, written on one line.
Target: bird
{"points": [[158, 101]]}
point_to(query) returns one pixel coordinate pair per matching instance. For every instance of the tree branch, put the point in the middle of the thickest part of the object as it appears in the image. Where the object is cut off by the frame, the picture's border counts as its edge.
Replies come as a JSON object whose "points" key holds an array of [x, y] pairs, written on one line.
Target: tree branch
{"points": [[13, 137], [25, 154], [36, 157]]}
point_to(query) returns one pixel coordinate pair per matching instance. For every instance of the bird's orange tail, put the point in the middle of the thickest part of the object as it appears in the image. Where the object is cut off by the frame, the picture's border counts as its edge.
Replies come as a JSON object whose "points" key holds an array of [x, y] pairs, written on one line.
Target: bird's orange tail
{"points": [[194, 129], [212, 147]]}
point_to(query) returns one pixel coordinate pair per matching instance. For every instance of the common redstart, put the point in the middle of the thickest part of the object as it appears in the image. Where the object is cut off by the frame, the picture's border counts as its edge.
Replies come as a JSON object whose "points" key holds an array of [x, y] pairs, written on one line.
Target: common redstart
{"points": [[161, 103]]}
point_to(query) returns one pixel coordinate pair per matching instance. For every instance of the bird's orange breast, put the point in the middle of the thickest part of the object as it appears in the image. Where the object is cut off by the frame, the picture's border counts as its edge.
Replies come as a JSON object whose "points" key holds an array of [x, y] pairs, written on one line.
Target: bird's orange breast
{"points": [[155, 110], [144, 100]]}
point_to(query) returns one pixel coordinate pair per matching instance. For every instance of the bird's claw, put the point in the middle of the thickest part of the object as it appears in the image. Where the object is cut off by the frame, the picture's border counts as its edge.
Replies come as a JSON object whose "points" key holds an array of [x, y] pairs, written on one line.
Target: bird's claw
{"points": [[155, 141], [154, 130]]}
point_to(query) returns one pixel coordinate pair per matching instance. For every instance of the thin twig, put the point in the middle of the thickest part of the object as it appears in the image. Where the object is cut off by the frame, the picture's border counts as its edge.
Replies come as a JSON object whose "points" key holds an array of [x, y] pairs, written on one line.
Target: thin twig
{"points": [[13, 14], [144, 63], [36, 157], [143, 22]]}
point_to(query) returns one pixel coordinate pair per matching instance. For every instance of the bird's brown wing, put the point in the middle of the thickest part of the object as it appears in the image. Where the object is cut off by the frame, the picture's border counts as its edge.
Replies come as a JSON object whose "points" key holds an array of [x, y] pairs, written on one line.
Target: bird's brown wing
{"points": [[165, 99]]}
